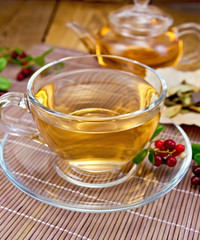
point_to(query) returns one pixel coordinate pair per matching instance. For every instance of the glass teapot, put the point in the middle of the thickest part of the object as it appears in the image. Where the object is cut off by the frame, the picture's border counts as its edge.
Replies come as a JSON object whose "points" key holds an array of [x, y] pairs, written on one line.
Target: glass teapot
{"points": [[143, 33]]}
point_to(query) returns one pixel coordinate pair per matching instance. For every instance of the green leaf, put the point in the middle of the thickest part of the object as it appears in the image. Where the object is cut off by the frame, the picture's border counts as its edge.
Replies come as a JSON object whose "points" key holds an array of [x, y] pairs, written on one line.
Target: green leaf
{"points": [[140, 156], [4, 83], [158, 130], [197, 158], [16, 61], [151, 157], [40, 60], [3, 49], [3, 63], [47, 52], [17, 50], [195, 149], [28, 58]]}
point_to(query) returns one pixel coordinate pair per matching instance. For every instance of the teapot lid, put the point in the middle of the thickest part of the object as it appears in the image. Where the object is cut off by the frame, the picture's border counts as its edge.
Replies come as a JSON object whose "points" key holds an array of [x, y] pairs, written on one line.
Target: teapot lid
{"points": [[140, 20]]}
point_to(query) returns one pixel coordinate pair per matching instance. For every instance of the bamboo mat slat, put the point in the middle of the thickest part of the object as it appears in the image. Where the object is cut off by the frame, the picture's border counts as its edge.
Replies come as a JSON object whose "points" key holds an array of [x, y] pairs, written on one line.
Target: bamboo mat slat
{"points": [[174, 216]]}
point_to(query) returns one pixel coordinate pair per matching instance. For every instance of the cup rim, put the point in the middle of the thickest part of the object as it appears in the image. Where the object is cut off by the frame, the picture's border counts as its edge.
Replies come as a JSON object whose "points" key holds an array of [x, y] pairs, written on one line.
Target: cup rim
{"points": [[91, 119]]}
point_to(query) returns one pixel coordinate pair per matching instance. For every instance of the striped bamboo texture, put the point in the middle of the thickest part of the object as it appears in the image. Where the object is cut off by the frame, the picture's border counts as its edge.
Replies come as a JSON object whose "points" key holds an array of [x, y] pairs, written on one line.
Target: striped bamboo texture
{"points": [[174, 216]]}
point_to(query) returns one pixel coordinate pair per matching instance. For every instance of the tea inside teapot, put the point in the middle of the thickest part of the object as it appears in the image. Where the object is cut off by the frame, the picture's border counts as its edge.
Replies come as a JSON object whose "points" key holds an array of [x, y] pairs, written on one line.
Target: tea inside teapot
{"points": [[143, 33]]}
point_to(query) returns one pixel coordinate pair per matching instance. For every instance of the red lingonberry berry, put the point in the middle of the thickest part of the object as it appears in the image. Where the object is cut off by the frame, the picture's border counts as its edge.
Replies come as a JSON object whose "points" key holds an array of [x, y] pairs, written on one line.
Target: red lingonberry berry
{"points": [[195, 180], [159, 143], [30, 71], [171, 161], [24, 63], [27, 71], [196, 170], [20, 76], [22, 55], [169, 144], [14, 54], [180, 148], [157, 160]]}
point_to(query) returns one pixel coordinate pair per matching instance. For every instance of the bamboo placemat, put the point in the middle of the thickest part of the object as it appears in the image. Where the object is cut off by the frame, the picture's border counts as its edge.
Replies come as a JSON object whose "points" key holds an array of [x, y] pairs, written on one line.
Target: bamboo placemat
{"points": [[174, 216]]}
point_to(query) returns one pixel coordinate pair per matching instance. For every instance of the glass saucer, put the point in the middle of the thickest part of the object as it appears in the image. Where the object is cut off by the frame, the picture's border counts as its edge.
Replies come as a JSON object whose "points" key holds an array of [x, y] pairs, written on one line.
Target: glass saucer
{"points": [[29, 165]]}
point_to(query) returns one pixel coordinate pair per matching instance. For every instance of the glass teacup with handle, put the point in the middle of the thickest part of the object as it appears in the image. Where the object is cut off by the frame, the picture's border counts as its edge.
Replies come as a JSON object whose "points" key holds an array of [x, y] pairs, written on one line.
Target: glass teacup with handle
{"points": [[96, 112]]}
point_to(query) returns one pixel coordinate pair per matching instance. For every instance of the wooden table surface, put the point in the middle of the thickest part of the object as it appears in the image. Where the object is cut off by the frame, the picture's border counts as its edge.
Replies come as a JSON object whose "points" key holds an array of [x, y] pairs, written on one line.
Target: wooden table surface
{"points": [[24, 23]]}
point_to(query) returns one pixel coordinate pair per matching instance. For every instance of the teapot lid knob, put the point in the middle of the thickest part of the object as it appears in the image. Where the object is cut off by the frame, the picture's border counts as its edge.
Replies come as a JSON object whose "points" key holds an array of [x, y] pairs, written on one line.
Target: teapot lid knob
{"points": [[141, 19], [141, 3]]}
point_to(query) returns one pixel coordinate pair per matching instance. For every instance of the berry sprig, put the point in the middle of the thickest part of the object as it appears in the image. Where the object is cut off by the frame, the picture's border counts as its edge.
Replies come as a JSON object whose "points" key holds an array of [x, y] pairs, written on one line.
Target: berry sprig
{"points": [[195, 180], [25, 62], [160, 151], [165, 152]]}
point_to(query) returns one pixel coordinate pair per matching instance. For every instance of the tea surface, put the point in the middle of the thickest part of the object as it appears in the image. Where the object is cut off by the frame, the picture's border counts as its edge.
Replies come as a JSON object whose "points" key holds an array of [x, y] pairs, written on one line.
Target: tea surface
{"points": [[104, 144]]}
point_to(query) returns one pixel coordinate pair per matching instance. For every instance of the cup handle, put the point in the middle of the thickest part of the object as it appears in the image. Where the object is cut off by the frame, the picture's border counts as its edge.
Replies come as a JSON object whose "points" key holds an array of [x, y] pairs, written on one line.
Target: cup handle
{"points": [[13, 125], [189, 29]]}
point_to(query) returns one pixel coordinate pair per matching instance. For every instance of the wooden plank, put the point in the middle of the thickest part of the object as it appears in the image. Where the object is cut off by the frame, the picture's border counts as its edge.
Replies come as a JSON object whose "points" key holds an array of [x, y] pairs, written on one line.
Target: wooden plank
{"points": [[24, 23], [90, 15]]}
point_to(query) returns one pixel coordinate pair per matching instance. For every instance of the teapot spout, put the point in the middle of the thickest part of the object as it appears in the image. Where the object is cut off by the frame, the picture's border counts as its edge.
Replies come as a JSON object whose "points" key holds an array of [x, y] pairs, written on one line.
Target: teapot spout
{"points": [[86, 38]]}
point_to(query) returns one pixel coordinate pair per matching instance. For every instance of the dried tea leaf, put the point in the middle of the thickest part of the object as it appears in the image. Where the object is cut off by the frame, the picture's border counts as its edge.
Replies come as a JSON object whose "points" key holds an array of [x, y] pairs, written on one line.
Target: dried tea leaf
{"points": [[169, 103], [182, 88], [195, 98], [172, 97], [185, 98], [173, 111], [194, 108], [185, 110]]}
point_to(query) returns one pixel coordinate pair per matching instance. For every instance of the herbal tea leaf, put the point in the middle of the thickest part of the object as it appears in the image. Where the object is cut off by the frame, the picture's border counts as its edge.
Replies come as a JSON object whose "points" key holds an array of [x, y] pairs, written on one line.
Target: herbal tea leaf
{"points": [[182, 88], [195, 108], [140, 156], [4, 83], [195, 149], [158, 130], [173, 110], [3, 63], [195, 98], [151, 157], [169, 103], [197, 158]]}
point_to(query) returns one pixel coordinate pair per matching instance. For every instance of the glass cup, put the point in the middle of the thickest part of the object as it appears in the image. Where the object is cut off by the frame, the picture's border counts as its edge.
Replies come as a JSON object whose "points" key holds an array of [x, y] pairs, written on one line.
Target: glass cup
{"points": [[96, 112]]}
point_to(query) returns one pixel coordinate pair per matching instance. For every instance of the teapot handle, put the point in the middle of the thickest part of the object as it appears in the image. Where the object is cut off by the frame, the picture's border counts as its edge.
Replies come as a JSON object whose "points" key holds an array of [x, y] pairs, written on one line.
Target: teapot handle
{"points": [[189, 29]]}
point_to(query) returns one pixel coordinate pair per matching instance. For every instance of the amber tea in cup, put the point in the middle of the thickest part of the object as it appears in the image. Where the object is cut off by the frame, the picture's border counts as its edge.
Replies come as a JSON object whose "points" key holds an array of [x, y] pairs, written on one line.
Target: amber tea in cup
{"points": [[96, 116]]}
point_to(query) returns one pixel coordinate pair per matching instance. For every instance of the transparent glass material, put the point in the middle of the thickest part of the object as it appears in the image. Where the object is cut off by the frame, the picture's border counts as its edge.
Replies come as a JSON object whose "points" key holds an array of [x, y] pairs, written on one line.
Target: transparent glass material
{"points": [[29, 166], [143, 33], [95, 112]]}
